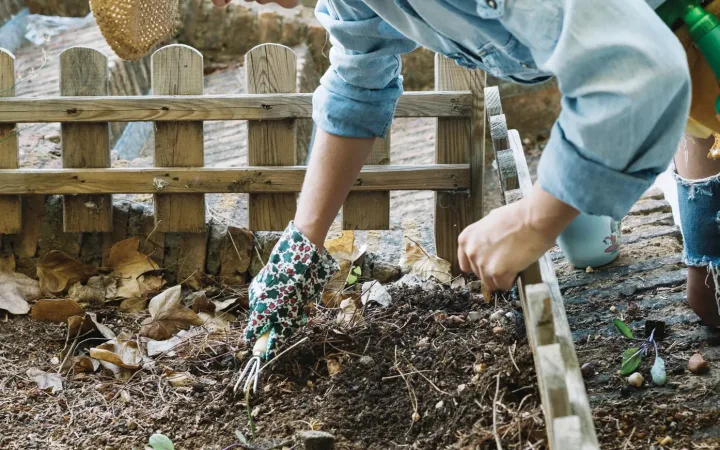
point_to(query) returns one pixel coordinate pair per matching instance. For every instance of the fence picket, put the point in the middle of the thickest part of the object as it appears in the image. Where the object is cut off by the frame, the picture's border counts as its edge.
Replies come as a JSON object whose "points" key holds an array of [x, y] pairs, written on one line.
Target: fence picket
{"points": [[84, 72], [370, 210], [178, 70], [11, 217], [271, 69]]}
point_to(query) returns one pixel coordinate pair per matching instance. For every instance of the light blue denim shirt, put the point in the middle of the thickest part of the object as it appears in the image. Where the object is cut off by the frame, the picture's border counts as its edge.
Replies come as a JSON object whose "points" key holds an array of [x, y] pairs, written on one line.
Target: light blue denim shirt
{"points": [[622, 73]]}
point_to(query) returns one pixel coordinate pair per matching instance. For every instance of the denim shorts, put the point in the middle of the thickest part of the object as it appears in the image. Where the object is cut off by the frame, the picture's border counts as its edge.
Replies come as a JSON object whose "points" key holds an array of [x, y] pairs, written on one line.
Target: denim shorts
{"points": [[699, 204]]}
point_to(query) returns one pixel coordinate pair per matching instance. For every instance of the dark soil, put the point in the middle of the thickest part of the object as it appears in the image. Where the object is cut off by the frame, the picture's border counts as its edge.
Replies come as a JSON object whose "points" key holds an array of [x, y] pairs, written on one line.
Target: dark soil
{"points": [[423, 354]]}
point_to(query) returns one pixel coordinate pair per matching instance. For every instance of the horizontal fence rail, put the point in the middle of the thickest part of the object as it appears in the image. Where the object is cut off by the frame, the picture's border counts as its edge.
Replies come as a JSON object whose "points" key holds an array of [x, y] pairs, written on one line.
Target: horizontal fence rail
{"points": [[164, 108], [441, 177]]}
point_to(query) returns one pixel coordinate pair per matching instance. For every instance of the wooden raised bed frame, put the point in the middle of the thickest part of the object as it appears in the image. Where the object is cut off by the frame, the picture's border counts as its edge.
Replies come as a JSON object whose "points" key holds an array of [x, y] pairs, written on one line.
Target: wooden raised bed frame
{"points": [[273, 177]]}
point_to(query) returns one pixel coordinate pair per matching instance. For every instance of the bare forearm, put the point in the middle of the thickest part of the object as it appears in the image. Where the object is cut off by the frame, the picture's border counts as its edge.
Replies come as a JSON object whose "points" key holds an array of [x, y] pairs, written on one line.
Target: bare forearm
{"points": [[334, 165]]}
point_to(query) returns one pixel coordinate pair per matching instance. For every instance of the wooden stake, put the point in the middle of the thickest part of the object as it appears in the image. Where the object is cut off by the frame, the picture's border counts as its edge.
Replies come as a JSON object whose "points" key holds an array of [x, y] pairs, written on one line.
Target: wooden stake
{"points": [[84, 71], [11, 217], [178, 70], [271, 69]]}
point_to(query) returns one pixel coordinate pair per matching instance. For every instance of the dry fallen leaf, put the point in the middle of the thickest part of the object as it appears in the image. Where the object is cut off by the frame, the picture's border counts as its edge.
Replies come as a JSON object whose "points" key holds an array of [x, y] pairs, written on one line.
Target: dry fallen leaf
{"points": [[120, 355], [150, 283], [133, 305], [86, 325], [56, 311], [334, 367], [216, 321], [199, 302], [168, 315], [349, 314], [16, 290], [373, 291], [346, 253], [58, 271], [96, 290], [46, 381], [419, 262], [127, 265], [458, 283], [81, 364]]}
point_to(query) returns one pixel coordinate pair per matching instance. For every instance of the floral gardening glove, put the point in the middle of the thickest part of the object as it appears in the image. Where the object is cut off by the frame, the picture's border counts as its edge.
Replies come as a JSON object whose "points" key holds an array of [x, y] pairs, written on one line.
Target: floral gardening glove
{"points": [[295, 275]]}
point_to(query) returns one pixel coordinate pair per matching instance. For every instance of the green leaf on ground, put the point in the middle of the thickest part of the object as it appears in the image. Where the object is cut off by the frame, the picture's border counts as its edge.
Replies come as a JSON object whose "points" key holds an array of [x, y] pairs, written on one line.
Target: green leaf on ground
{"points": [[630, 360], [624, 329]]}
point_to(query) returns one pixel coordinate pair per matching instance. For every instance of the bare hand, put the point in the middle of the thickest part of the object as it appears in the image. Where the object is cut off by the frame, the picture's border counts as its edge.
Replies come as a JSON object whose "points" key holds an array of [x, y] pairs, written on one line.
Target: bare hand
{"points": [[511, 238]]}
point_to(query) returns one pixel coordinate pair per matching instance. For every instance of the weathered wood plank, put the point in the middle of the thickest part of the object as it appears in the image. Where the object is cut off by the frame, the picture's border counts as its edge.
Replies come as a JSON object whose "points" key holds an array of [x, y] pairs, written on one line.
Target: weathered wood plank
{"points": [[567, 431], [84, 71], [453, 177], [164, 108], [551, 379], [453, 211], [178, 70], [11, 217], [544, 272], [370, 210], [271, 69]]}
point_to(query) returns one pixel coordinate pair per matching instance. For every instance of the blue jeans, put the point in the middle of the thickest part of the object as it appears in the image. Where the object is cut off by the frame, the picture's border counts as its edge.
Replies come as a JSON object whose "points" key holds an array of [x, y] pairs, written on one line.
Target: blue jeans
{"points": [[699, 203]]}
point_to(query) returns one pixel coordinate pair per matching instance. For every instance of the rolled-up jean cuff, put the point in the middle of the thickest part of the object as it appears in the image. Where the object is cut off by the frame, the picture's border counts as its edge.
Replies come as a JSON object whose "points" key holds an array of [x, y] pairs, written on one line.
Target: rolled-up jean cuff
{"points": [[699, 207]]}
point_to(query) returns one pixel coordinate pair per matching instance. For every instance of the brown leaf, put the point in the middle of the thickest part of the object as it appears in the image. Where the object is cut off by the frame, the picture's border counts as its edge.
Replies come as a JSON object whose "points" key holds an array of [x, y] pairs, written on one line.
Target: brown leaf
{"points": [[168, 316], [81, 364], [127, 264], [334, 367], [118, 353], [46, 381], [216, 321], [58, 271], [95, 291], [346, 253], [350, 315], [150, 283], [56, 311], [86, 325], [201, 303], [16, 290], [419, 262], [133, 305]]}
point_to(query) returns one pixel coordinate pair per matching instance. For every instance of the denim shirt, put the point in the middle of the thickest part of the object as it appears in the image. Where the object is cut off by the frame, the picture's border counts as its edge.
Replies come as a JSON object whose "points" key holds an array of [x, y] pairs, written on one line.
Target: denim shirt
{"points": [[622, 73]]}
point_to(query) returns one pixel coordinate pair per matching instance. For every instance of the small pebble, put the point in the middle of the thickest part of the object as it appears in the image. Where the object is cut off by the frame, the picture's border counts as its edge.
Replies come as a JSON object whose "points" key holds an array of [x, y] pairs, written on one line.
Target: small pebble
{"points": [[667, 440], [510, 315], [415, 417], [474, 316], [497, 315], [499, 330], [461, 388], [588, 370], [613, 309], [366, 361], [636, 380], [440, 404], [480, 367], [589, 269], [697, 364]]}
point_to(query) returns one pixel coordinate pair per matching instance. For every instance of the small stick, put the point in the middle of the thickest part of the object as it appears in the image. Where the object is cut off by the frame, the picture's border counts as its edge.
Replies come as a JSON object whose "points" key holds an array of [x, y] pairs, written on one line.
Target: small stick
{"points": [[494, 415]]}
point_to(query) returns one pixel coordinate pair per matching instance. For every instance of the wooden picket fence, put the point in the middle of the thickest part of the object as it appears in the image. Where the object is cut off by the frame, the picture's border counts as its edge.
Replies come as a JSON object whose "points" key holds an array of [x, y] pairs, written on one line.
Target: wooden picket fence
{"points": [[273, 177]]}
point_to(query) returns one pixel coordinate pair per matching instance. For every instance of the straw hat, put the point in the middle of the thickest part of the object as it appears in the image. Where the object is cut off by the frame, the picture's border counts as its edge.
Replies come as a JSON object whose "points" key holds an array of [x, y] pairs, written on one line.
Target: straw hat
{"points": [[133, 27]]}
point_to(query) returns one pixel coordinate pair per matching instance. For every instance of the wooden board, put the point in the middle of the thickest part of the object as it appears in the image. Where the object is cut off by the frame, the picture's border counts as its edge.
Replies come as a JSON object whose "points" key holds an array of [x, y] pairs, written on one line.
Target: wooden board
{"points": [[271, 69], [453, 211], [11, 217], [178, 70], [453, 177], [163, 108], [562, 389], [370, 210], [84, 71]]}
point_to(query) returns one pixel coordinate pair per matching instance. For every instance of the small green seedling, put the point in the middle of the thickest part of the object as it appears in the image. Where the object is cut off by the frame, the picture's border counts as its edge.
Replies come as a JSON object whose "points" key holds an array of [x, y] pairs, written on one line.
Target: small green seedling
{"points": [[632, 357], [160, 442], [353, 275]]}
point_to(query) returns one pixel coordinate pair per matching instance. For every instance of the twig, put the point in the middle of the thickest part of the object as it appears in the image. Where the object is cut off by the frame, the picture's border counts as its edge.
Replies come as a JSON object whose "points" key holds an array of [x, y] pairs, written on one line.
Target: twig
{"points": [[494, 414], [627, 441], [282, 353], [411, 392], [512, 358]]}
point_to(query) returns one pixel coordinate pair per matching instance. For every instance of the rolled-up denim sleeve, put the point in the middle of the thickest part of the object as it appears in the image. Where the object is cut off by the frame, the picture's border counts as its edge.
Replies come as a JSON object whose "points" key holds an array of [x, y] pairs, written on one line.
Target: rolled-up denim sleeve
{"points": [[625, 88], [358, 94]]}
